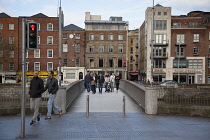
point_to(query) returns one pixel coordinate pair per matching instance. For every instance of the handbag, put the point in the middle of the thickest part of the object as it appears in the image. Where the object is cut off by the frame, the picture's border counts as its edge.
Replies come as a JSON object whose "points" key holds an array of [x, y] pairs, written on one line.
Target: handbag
{"points": [[92, 82]]}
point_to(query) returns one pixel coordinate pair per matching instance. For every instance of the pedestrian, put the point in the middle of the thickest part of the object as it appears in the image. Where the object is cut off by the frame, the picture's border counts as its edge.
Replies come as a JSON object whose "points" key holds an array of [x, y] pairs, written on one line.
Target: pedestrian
{"points": [[87, 81], [52, 86], [148, 82], [35, 91], [112, 80], [93, 83], [117, 81], [100, 82], [107, 80]]}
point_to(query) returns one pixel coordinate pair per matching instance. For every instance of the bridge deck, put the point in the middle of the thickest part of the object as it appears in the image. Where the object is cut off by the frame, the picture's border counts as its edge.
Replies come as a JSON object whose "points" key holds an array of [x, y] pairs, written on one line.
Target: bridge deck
{"points": [[106, 123]]}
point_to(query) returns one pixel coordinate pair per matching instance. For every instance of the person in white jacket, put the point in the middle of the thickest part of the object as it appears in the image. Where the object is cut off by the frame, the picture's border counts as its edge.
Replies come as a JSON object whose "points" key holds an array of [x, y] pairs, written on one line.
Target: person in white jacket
{"points": [[112, 80]]}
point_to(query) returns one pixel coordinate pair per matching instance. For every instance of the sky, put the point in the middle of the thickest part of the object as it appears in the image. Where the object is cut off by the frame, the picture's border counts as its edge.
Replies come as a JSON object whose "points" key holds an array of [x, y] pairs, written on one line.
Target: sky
{"points": [[74, 10]]}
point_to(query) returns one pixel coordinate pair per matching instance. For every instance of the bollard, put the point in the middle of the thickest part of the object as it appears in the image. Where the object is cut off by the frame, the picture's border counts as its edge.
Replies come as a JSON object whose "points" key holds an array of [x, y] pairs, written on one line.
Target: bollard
{"points": [[124, 106], [87, 106]]}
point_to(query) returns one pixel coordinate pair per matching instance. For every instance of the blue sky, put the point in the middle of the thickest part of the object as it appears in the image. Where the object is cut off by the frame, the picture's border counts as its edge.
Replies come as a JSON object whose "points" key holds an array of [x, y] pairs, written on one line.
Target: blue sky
{"points": [[74, 10]]}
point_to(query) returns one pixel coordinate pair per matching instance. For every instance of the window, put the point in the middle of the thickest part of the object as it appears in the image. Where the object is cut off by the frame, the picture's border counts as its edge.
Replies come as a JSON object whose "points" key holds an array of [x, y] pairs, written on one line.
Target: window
{"points": [[77, 48], [11, 26], [111, 63], [38, 26], [27, 66], [77, 62], [11, 40], [70, 74], [195, 51], [91, 36], [131, 67], [1, 53], [177, 25], [165, 13], [160, 25], [91, 62], [159, 13], [38, 39], [120, 37], [110, 48], [11, 54], [101, 48], [1, 67], [195, 63], [37, 66], [120, 48], [182, 63], [159, 51], [26, 53], [131, 58], [208, 63], [101, 37], [49, 40], [119, 62], [159, 63], [209, 48], [131, 50], [91, 48], [49, 26], [49, 53], [1, 26], [180, 39], [193, 24], [101, 62], [131, 41], [65, 47], [160, 39], [65, 62], [77, 36], [49, 66], [196, 38], [110, 37], [1, 40], [11, 66], [37, 53], [180, 51], [65, 36]]}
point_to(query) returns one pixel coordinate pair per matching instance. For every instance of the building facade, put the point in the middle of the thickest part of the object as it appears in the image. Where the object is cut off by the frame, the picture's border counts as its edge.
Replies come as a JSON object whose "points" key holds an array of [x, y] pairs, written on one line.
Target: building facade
{"points": [[106, 44], [133, 53]]}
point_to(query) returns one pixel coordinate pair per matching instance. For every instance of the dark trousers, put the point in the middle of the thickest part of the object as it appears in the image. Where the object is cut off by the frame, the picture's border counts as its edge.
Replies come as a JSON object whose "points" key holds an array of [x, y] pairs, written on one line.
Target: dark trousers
{"points": [[93, 88], [100, 86], [88, 86], [117, 85]]}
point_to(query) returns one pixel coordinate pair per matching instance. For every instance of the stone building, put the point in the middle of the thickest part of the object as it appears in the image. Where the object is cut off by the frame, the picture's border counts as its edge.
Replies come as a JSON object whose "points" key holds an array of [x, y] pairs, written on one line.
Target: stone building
{"points": [[106, 44]]}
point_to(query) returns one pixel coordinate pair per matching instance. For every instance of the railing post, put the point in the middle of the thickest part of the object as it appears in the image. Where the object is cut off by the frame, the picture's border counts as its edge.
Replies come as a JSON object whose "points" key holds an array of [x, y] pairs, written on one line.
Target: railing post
{"points": [[87, 106], [124, 106]]}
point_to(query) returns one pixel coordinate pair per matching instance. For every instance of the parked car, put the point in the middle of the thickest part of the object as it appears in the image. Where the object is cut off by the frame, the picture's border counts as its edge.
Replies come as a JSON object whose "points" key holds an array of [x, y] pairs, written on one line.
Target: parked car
{"points": [[169, 83]]}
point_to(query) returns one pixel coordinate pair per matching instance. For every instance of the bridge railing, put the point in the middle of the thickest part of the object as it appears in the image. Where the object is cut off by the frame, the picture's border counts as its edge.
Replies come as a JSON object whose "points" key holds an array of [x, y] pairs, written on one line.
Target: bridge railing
{"points": [[145, 96]]}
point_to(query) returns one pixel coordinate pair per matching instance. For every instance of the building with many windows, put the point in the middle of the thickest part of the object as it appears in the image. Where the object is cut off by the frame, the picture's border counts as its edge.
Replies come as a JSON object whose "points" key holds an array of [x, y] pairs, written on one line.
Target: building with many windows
{"points": [[133, 53], [106, 44]]}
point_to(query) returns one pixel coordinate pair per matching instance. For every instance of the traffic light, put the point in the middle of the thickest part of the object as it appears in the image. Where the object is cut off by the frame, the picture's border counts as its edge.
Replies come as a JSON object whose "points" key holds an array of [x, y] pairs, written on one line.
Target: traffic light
{"points": [[32, 35]]}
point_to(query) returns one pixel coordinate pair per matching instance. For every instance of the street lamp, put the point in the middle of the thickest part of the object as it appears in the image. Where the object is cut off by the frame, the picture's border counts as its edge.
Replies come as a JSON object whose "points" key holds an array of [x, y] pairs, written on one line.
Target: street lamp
{"points": [[152, 43], [179, 61]]}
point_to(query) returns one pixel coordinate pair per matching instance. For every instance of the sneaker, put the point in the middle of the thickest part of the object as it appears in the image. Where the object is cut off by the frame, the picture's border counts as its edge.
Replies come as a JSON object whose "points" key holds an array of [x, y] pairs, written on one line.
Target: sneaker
{"points": [[33, 122], [60, 113], [47, 118], [38, 117]]}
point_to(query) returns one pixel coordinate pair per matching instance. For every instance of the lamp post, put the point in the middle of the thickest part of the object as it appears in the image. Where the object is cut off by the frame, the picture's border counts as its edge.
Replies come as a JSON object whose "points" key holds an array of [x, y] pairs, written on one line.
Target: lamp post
{"points": [[152, 43], [179, 62]]}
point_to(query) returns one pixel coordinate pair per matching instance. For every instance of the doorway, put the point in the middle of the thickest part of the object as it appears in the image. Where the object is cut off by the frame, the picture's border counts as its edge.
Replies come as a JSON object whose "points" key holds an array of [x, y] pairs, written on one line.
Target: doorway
{"points": [[191, 79]]}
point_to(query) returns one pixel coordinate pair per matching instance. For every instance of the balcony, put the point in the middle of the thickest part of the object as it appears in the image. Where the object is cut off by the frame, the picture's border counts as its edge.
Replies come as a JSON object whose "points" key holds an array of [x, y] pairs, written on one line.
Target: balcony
{"points": [[182, 55], [160, 56], [162, 44], [182, 44]]}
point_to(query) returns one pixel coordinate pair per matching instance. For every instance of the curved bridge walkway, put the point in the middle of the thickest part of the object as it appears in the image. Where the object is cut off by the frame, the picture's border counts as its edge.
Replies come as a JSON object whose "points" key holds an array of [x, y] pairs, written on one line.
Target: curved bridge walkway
{"points": [[106, 122]]}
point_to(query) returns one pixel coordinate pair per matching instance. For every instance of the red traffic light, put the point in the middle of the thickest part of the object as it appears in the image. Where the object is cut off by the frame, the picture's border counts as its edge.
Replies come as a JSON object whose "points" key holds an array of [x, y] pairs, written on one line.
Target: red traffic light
{"points": [[33, 27]]}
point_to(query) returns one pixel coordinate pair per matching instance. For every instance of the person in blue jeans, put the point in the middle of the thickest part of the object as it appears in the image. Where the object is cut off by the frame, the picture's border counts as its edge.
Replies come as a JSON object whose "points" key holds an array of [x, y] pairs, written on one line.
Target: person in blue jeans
{"points": [[88, 81], [52, 86]]}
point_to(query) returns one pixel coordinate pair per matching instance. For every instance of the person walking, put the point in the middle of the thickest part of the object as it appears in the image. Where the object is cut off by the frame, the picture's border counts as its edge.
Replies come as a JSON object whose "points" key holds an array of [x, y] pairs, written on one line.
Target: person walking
{"points": [[87, 81], [93, 83], [117, 81], [112, 80], [107, 80], [35, 91], [52, 86], [100, 83]]}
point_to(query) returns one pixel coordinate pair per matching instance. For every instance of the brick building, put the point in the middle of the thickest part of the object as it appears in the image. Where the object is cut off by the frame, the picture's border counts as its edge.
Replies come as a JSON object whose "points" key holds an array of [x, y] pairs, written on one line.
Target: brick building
{"points": [[73, 53], [106, 44], [133, 53], [8, 48]]}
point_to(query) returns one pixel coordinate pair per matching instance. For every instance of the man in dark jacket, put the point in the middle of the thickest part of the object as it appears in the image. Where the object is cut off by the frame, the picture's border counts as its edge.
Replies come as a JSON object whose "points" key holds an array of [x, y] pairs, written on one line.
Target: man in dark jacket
{"points": [[87, 81], [52, 86], [100, 82], [35, 91], [117, 81]]}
